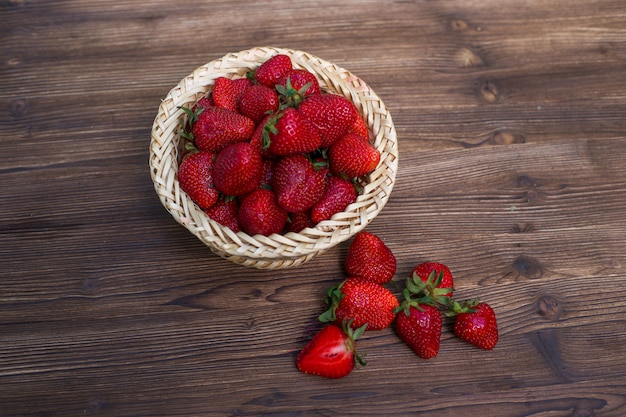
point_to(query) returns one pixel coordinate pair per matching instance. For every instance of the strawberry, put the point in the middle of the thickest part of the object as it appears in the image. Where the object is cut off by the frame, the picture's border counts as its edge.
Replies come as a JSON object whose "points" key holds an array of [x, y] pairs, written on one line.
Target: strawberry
{"points": [[224, 211], [217, 128], [295, 85], [360, 128], [237, 169], [289, 133], [258, 101], [361, 302], [339, 193], [331, 353], [475, 323], [226, 92], [352, 157], [299, 221], [298, 185], [369, 258], [195, 175], [269, 72], [434, 275], [419, 326], [331, 114], [259, 213], [259, 136]]}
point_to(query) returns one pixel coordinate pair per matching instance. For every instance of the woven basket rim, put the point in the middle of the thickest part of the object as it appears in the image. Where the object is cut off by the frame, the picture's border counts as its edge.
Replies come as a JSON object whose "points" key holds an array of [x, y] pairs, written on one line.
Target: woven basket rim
{"points": [[274, 251]]}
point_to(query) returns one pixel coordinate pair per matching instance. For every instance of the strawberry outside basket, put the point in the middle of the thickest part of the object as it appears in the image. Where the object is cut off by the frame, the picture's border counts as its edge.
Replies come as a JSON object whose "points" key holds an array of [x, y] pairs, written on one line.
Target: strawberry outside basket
{"points": [[274, 251]]}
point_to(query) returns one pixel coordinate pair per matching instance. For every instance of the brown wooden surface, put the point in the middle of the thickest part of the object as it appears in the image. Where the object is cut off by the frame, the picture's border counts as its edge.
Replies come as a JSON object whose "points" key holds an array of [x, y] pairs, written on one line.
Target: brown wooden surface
{"points": [[512, 135]]}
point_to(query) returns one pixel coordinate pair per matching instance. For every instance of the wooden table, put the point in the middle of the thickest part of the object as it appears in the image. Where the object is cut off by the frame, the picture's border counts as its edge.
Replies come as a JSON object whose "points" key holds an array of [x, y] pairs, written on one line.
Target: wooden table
{"points": [[512, 170]]}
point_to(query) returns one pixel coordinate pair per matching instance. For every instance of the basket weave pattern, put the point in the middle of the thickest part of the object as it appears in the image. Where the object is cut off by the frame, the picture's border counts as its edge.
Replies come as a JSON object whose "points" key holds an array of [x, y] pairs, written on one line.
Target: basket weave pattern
{"points": [[275, 251]]}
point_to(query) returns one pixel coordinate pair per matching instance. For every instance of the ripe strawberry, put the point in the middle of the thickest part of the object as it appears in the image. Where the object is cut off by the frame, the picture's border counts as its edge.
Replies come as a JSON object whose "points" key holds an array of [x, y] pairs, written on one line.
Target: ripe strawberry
{"points": [[331, 353], [475, 323], [237, 169], [195, 175], [369, 258], [258, 101], [339, 193], [434, 275], [298, 185], [360, 128], [259, 213], [299, 221], [217, 128], [419, 326], [289, 133], [352, 157], [361, 302], [224, 211], [269, 72], [331, 114], [295, 86], [226, 92]]}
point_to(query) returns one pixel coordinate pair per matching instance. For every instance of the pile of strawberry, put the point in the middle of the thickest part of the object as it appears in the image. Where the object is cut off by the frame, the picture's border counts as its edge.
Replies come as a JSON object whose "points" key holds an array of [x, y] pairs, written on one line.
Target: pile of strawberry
{"points": [[273, 153], [362, 303]]}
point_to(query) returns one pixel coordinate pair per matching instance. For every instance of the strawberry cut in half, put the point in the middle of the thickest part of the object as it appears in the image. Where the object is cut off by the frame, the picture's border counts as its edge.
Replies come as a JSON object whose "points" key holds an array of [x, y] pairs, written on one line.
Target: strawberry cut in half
{"points": [[331, 353]]}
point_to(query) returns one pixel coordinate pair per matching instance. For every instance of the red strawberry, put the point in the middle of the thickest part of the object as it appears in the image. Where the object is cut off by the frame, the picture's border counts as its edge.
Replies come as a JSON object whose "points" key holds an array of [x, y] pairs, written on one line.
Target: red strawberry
{"points": [[289, 133], [353, 157], [361, 302], [369, 258], [258, 101], [419, 326], [237, 169], [331, 353], [295, 85], [259, 136], [195, 175], [338, 194], [269, 72], [331, 114], [224, 211], [475, 323], [298, 185], [434, 275], [259, 213], [299, 221], [226, 92], [360, 128], [217, 128]]}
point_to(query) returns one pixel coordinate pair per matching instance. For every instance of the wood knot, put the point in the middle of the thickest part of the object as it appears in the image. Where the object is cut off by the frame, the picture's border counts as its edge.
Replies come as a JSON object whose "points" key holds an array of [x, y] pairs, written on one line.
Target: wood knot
{"points": [[528, 267], [470, 59], [488, 91], [506, 137], [18, 107], [522, 228], [549, 308], [458, 25]]}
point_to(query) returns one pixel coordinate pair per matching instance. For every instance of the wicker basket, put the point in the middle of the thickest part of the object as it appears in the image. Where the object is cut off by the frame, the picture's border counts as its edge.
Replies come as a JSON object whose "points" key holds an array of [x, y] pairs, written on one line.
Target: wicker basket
{"points": [[275, 251]]}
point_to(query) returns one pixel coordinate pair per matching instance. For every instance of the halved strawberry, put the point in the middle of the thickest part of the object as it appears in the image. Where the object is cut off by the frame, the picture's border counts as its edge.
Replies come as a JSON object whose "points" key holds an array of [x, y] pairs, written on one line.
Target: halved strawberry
{"points": [[331, 353]]}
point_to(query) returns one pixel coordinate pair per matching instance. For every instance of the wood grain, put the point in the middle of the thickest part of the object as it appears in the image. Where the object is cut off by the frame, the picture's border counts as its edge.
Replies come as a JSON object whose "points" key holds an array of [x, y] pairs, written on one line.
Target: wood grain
{"points": [[512, 136]]}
